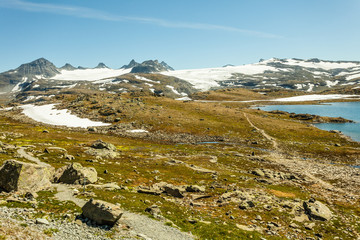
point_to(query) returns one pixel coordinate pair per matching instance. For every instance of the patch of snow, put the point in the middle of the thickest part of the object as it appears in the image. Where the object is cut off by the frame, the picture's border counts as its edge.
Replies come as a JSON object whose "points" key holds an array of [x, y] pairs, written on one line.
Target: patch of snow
{"points": [[173, 89], [349, 83], [183, 99], [89, 74], [331, 84], [149, 84], [299, 86], [17, 87], [137, 131], [145, 79], [67, 86], [311, 87], [49, 115], [314, 97], [322, 64], [36, 85], [152, 90], [6, 109], [353, 76]]}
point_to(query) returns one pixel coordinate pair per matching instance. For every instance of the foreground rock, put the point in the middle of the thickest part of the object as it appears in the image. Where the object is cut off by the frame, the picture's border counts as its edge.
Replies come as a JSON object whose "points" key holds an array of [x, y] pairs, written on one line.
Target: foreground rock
{"points": [[101, 212], [75, 173], [24, 177], [317, 210]]}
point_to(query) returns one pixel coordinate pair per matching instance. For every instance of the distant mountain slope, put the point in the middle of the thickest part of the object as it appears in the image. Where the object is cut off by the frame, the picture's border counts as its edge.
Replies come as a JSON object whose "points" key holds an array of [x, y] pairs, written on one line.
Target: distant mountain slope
{"points": [[298, 74], [19, 78], [308, 75]]}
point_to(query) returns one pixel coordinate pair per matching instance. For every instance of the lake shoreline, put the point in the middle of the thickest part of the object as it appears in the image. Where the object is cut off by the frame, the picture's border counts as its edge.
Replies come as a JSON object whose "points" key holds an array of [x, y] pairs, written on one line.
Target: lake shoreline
{"points": [[340, 116]]}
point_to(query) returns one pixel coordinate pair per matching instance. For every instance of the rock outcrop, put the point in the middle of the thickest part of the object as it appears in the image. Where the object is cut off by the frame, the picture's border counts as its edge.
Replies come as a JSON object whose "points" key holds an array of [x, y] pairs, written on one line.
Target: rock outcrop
{"points": [[24, 177], [75, 173], [103, 213], [100, 148], [317, 210]]}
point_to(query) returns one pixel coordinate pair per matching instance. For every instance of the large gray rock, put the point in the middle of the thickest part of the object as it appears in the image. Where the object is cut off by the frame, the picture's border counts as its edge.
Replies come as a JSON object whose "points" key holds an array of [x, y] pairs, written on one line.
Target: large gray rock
{"points": [[99, 144], [102, 149], [75, 173], [175, 191], [25, 177], [103, 213], [317, 210]]}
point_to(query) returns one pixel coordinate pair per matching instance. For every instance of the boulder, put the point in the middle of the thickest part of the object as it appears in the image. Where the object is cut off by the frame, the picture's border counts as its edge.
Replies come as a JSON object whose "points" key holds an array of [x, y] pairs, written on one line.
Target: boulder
{"points": [[101, 212], [99, 144], [75, 173], [102, 149], [195, 188], [25, 177], [317, 210], [175, 191]]}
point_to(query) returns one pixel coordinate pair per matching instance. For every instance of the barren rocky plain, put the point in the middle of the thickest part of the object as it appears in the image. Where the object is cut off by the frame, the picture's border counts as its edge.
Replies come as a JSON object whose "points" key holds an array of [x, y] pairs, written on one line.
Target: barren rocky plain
{"points": [[210, 168]]}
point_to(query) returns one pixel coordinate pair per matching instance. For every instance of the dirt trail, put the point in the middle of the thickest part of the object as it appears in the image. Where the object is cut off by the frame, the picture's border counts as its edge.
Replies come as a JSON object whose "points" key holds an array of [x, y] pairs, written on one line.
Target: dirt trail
{"points": [[22, 153], [267, 136], [65, 193]]}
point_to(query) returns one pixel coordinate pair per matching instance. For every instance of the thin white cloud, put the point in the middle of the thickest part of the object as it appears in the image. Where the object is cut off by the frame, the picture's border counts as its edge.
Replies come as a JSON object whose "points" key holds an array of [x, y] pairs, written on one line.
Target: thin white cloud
{"points": [[82, 12]]}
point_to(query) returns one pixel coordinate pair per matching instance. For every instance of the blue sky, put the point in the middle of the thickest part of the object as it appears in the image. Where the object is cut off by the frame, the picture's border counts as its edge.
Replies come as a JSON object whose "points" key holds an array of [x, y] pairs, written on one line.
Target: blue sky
{"points": [[183, 33]]}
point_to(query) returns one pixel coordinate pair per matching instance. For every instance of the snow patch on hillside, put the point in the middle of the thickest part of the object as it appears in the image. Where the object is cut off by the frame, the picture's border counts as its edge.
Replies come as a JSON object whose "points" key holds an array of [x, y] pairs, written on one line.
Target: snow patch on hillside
{"points": [[314, 97], [322, 64], [206, 78], [49, 115], [89, 74]]}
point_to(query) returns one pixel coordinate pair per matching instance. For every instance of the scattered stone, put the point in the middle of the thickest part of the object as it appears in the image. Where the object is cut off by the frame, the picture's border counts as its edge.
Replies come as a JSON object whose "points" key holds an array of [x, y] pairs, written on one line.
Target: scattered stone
{"points": [[244, 228], [101, 212], [155, 211], [192, 221], [309, 226], [69, 157], [91, 129], [195, 188], [106, 186], [42, 221], [25, 177], [293, 225], [174, 191], [75, 173], [30, 196]]}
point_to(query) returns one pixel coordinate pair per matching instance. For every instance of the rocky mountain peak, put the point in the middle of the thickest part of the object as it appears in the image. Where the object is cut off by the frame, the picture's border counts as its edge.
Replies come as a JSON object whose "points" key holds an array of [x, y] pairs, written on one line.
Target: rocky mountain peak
{"points": [[151, 66], [68, 66], [131, 64], [40, 66], [101, 65]]}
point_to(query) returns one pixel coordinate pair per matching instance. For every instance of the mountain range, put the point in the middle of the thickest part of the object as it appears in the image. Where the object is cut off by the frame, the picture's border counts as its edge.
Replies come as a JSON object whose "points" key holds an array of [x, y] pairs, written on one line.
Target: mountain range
{"points": [[297, 74]]}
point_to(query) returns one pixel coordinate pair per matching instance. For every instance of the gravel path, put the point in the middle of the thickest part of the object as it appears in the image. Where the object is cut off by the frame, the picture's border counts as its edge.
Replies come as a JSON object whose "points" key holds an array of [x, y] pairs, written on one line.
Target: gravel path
{"points": [[65, 193], [148, 228], [22, 153]]}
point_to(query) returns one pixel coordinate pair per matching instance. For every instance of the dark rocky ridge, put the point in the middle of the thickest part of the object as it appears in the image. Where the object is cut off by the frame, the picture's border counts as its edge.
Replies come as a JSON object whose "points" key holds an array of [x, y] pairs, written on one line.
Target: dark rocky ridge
{"points": [[68, 66], [151, 66], [40, 66]]}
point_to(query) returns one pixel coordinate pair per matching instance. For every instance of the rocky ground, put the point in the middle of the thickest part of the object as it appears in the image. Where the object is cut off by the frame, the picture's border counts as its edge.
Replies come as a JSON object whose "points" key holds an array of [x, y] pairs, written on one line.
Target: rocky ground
{"points": [[200, 172]]}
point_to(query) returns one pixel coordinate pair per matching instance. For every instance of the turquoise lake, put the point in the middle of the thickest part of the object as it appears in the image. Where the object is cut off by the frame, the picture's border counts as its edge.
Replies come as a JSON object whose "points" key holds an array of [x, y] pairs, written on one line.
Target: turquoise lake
{"points": [[348, 110]]}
